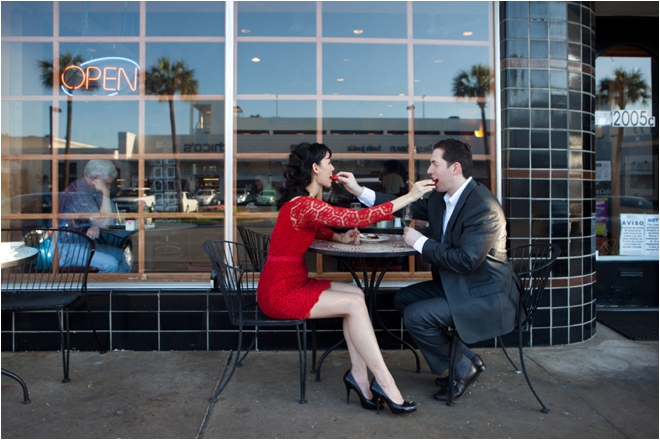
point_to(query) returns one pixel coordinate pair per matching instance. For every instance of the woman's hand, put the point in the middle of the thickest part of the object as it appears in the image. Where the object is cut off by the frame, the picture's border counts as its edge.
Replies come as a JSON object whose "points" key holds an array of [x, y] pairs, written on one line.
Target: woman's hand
{"points": [[349, 237], [420, 188]]}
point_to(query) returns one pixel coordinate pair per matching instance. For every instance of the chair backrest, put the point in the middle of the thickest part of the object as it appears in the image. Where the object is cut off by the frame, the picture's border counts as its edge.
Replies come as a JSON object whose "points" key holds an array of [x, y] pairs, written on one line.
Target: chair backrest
{"points": [[533, 264], [255, 240], [62, 263], [237, 276]]}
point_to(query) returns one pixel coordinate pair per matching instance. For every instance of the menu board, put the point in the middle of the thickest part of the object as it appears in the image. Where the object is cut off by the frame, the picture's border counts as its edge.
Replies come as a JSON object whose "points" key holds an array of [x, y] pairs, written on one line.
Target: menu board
{"points": [[639, 234]]}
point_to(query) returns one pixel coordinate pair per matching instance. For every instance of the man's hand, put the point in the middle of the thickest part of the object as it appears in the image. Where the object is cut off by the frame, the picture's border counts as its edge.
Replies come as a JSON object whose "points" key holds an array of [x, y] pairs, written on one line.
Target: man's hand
{"points": [[348, 180], [349, 237], [101, 186], [93, 232], [410, 236]]}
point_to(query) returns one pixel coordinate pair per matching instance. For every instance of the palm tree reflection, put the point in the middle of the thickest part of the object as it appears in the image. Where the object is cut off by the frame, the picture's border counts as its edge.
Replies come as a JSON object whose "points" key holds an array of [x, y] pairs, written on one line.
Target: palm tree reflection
{"points": [[475, 84], [50, 80], [165, 79]]}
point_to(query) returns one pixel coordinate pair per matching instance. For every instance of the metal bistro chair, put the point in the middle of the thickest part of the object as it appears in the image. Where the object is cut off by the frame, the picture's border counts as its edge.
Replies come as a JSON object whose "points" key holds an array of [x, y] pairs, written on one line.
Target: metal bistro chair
{"points": [[237, 279], [255, 240], [533, 264], [41, 285], [262, 241]]}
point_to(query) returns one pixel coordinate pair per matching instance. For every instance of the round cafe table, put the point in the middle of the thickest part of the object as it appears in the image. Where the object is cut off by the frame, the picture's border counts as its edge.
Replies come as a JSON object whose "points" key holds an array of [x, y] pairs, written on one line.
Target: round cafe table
{"points": [[22, 255], [384, 251]]}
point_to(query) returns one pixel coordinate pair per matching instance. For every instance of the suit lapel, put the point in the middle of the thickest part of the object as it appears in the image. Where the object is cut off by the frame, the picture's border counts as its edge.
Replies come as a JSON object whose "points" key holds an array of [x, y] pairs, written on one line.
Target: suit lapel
{"points": [[459, 206]]}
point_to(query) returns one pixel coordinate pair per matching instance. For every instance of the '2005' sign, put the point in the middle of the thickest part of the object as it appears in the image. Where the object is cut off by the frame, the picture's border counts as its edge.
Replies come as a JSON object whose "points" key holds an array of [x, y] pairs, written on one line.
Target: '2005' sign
{"points": [[103, 76], [632, 118]]}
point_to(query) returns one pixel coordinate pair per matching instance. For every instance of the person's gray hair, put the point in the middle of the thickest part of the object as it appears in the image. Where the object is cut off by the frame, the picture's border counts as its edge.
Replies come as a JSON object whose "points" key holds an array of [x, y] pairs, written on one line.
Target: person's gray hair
{"points": [[101, 168]]}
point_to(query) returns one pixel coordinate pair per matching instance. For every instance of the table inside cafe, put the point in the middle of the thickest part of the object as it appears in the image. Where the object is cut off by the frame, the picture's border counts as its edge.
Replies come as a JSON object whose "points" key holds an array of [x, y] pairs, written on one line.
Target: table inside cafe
{"points": [[11, 258], [382, 250]]}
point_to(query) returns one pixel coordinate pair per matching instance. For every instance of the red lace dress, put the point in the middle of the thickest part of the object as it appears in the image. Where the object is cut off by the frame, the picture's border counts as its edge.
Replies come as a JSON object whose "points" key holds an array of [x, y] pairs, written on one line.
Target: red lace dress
{"points": [[285, 290]]}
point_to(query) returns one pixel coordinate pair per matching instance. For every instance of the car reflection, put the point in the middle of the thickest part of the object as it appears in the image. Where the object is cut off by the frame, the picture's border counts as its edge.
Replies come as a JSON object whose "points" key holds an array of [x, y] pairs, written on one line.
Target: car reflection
{"points": [[128, 200]]}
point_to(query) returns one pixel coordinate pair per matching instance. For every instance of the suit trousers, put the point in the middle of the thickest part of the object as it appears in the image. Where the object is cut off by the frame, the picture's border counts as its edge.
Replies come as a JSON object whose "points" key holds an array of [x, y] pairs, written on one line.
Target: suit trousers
{"points": [[426, 315]]}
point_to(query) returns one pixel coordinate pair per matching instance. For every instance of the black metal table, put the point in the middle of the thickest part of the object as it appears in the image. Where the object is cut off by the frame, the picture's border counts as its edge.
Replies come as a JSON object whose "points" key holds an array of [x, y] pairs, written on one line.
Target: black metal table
{"points": [[20, 256], [384, 250]]}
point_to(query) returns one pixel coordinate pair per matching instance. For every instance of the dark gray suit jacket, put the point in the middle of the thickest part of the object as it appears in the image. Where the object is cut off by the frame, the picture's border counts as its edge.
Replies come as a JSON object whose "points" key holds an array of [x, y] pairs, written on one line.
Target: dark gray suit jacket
{"points": [[471, 263]]}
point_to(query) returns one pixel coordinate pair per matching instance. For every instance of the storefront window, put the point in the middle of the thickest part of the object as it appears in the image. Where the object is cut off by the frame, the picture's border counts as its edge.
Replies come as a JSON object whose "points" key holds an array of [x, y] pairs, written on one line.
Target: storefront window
{"points": [[276, 68], [99, 19], [23, 19], [190, 18], [364, 19], [276, 19], [626, 154], [372, 80]]}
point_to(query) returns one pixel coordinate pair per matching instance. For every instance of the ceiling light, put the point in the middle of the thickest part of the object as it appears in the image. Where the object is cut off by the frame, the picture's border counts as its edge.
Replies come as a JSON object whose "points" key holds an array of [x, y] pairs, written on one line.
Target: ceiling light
{"points": [[467, 33], [245, 31], [256, 59], [357, 31]]}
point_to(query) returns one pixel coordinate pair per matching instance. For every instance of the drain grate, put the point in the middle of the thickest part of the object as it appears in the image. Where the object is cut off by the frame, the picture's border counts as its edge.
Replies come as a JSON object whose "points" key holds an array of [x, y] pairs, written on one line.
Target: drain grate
{"points": [[633, 324]]}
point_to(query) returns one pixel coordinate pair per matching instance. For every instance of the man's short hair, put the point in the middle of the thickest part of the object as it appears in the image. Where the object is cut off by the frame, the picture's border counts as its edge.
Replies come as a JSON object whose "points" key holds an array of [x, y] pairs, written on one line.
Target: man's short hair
{"points": [[101, 168], [456, 151]]}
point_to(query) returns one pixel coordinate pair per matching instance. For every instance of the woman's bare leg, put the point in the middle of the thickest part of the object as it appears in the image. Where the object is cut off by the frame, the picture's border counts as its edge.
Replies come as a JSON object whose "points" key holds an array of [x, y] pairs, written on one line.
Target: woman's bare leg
{"points": [[360, 332], [358, 366]]}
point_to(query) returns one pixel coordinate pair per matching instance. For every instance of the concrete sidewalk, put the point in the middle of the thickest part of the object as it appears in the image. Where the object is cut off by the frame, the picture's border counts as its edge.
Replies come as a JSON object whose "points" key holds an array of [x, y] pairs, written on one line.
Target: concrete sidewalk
{"points": [[603, 388]]}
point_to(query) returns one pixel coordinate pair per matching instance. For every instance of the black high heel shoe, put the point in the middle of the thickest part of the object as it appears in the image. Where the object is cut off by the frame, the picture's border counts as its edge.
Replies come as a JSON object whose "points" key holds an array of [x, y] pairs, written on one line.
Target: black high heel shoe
{"points": [[379, 394], [350, 383]]}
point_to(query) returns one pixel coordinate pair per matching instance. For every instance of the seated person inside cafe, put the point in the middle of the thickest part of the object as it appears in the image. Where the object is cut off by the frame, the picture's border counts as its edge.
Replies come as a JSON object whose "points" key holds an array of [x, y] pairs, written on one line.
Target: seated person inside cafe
{"points": [[474, 288], [390, 179], [90, 194], [285, 290]]}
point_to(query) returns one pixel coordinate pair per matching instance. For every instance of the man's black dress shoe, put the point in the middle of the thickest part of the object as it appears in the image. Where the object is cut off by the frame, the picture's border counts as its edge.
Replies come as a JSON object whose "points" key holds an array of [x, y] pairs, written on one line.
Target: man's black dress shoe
{"points": [[459, 386], [476, 361]]}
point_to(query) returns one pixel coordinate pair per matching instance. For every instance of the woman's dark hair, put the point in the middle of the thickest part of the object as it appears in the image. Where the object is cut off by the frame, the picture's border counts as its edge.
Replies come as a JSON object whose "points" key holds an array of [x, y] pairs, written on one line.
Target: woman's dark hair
{"points": [[298, 173]]}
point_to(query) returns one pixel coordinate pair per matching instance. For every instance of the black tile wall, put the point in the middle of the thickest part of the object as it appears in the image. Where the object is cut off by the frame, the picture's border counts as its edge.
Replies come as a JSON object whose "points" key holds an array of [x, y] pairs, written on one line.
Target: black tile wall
{"points": [[548, 169]]}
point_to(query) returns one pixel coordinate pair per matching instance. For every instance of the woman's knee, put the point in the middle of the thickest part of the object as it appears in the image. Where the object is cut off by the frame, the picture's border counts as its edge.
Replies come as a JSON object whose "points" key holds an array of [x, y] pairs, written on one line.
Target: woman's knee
{"points": [[347, 288]]}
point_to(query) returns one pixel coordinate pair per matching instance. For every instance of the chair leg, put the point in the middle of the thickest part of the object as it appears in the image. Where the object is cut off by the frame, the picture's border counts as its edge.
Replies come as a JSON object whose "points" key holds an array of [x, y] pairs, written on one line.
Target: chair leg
{"points": [[313, 325], [302, 357], [327, 352], [450, 380], [222, 383], [544, 410], [26, 395], [103, 348], [515, 367], [252, 344], [65, 342]]}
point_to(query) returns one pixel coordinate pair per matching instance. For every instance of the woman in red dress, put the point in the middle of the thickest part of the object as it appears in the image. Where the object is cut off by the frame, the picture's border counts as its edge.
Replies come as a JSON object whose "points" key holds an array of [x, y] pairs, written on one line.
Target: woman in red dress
{"points": [[285, 290]]}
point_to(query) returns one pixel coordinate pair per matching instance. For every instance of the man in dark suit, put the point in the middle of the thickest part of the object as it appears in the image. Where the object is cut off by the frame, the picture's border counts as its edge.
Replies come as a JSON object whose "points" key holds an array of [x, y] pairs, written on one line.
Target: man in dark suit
{"points": [[474, 287]]}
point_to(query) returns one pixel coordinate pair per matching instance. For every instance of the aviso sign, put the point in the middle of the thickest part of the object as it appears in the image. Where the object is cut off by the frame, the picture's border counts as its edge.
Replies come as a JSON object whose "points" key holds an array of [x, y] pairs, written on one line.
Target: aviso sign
{"points": [[102, 76]]}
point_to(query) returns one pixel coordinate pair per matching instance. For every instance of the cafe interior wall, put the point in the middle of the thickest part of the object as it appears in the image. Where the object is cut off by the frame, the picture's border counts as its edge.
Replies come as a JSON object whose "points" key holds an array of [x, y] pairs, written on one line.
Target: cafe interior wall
{"points": [[166, 316]]}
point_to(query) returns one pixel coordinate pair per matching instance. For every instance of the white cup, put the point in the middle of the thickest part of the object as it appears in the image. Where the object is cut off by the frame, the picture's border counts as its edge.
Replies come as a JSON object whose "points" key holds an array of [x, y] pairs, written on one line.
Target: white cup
{"points": [[130, 225], [397, 222]]}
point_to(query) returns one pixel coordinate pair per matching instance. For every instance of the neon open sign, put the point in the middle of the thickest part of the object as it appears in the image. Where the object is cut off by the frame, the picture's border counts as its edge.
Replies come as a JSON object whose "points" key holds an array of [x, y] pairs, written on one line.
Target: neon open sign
{"points": [[103, 76]]}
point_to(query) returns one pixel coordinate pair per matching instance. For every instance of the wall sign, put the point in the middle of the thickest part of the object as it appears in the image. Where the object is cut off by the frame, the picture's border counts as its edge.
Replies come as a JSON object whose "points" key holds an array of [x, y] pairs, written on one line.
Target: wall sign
{"points": [[632, 118], [108, 76], [639, 234]]}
